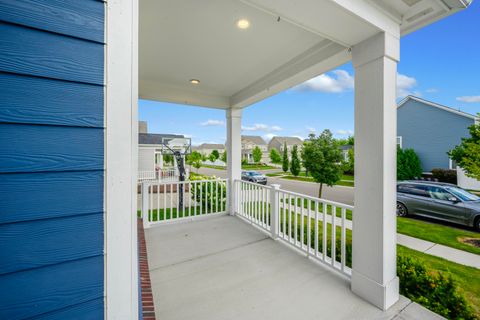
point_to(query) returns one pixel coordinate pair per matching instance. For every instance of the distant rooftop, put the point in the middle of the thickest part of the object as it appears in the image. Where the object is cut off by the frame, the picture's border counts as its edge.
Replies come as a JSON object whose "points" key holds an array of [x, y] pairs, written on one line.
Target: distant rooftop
{"points": [[288, 140], [254, 139], [437, 105]]}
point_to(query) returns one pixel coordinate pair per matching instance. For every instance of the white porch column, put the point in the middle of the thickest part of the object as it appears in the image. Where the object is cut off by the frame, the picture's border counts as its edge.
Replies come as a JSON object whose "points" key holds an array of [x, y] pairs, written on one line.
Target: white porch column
{"points": [[374, 276], [234, 158]]}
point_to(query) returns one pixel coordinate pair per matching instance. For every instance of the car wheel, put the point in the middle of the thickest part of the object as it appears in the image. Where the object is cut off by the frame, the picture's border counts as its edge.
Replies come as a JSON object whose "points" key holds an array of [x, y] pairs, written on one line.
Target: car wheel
{"points": [[402, 210], [476, 224]]}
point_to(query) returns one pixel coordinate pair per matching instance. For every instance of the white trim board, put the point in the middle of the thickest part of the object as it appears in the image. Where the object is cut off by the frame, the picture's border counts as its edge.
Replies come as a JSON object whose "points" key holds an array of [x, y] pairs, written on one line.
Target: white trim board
{"points": [[436, 105], [121, 156]]}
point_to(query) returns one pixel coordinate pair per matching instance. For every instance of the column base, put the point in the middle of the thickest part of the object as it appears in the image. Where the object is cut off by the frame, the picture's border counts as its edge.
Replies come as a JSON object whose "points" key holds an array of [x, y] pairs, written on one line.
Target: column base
{"points": [[382, 296]]}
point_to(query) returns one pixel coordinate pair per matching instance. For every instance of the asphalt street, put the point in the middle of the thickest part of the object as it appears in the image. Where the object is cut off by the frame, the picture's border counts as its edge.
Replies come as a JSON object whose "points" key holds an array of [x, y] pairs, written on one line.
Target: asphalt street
{"points": [[336, 193]]}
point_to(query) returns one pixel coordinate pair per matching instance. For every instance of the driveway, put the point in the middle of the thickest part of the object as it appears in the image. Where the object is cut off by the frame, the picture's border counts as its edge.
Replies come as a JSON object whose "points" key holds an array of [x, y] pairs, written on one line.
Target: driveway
{"points": [[336, 193]]}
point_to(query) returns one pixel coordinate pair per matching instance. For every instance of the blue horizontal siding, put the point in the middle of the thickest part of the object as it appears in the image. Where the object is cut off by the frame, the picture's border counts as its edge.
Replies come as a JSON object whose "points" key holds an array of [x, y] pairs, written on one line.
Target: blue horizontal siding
{"points": [[34, 148], [82, 19], [51, 159], [90, 310], [37, 243], [38, 291], [31, 196], [34, 52], [431, 132], [33, 100]]}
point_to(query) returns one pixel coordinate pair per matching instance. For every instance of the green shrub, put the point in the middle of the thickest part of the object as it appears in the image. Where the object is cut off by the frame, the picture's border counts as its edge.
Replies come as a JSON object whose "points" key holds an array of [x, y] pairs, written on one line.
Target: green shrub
{"points": [[349, 165], [295, 162], [445, 175], [435, 291], [408, 164], [205, 193]]}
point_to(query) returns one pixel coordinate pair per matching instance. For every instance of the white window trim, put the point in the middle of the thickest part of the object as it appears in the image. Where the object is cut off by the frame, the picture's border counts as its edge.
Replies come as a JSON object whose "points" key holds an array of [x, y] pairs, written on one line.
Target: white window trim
{"points": [[399, 141], [121, 160]]}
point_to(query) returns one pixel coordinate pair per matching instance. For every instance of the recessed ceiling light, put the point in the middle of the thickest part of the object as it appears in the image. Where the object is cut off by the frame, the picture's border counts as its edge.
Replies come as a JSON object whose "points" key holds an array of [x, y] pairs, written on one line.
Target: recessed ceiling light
{"points": [[243, 23], [194, 81]]}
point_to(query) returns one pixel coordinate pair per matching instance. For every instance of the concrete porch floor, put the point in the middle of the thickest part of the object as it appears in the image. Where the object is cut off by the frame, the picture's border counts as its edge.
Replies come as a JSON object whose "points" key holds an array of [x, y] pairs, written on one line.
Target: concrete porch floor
{"points": [[223, 268]]}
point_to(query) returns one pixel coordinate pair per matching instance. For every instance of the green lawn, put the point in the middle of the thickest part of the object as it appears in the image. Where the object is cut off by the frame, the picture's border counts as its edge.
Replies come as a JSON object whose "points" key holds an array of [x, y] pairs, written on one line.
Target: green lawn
{"points": [[213, 167], [303, 178], [468, 278], [446, 235]]}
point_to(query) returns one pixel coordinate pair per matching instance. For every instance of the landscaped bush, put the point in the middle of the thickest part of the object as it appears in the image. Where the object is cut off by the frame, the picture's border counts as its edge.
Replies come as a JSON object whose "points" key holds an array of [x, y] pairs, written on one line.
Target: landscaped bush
{"points": [[207, 195], [408, 164], [445, 175], [435, 291]]}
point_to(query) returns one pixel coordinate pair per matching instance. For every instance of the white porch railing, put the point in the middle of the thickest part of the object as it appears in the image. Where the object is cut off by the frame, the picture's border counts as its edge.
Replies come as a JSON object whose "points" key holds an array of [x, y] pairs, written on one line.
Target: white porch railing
{"points": [[302, 222], [163, 202], [164, 174]]}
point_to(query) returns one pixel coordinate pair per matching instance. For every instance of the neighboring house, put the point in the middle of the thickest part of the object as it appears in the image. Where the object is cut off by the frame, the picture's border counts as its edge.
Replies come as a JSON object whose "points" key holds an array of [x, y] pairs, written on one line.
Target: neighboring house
{"points": [[278, 143], [207, 148], [249, 143], [150, 150], [431, 129], [345, 148]]}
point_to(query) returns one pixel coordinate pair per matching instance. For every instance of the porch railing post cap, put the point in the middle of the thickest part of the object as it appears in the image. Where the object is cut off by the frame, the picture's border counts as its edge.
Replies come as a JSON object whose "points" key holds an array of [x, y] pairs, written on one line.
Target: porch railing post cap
{"points": [[275, 186]]}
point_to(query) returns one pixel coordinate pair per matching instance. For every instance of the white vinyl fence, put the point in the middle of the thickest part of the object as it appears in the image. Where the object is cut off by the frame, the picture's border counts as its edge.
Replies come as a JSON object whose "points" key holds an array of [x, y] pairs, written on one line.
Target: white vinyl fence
{"points": [[316, 227], [163, 201], [164, 174]]}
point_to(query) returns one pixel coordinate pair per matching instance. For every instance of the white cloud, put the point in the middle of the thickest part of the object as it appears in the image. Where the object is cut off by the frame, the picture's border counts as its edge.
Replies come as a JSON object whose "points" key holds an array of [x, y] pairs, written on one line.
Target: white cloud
{"points": [[299, 137], [262, 127], [469, 99], [336, 81], [213, 123], [342, 132], [311, 129], [432, 90], [406, 86]]}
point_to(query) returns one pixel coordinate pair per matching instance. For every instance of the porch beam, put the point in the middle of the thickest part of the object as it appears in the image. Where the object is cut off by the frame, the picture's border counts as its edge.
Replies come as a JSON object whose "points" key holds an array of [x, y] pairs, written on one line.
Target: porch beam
{"points": [[234, 159], [374, 275]]}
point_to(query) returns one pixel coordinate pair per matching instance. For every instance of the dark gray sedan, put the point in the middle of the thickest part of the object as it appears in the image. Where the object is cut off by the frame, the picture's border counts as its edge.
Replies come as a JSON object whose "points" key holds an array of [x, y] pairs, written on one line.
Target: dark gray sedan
{"points": [[254, 176], [441, 201]]}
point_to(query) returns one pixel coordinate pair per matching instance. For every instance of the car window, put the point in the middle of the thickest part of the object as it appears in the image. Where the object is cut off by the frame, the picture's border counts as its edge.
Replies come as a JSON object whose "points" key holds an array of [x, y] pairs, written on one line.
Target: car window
{"points": [[439, 193], [412, 189], [463, 194]]}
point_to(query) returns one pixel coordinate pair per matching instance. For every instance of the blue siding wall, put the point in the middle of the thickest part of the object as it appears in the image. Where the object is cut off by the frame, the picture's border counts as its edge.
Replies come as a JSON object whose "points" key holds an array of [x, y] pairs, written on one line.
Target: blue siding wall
{"points": [[51, 159], [431, 132]]}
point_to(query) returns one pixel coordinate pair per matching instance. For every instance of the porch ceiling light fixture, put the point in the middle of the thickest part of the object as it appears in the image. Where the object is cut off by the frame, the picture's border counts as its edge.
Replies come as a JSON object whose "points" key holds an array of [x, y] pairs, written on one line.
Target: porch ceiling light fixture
{"points": [[194, 81], [243, 23]]}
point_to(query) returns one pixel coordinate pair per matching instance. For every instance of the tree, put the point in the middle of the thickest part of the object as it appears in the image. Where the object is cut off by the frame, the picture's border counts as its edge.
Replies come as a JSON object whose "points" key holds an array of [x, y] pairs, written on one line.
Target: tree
{"points": [[285, 158], [295, 162], [195, 160], [224, 156], [168, 158], [275, 156], [257, 154], [408, 164], [467, 154], [215, 154], [212, 157], [322, 158]]}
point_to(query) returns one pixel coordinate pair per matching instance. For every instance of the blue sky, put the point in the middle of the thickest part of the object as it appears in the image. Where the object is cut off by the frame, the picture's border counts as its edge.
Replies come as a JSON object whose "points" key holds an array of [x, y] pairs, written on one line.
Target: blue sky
{"points": [[440, 62]]}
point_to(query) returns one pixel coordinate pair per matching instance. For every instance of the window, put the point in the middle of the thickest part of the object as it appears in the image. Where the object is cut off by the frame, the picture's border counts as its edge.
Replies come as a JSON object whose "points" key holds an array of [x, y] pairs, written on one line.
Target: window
{"points": [[438, 193], [412, 189], [399, 142]]}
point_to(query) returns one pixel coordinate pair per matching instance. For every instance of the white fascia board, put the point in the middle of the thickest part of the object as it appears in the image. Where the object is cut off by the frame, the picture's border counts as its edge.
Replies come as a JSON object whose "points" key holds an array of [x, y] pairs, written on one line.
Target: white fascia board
{"points": [[168, 93], [318, 60], [439, 106], [371, 14]]}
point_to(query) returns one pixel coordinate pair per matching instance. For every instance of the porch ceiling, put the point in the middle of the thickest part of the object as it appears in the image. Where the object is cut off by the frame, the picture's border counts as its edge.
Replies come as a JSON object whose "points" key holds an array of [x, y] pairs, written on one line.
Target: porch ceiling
{"points": [[288, 42]]}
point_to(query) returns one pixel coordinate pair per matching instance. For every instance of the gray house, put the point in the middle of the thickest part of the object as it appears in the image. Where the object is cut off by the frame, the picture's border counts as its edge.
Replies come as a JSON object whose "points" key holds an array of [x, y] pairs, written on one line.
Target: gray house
{"points": [[431, 130]]}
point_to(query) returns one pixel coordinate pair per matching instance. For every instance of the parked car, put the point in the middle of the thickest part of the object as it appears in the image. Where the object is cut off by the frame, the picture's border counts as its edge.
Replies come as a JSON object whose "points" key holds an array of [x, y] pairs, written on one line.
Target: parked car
{"points": [[437, 200], [254, 176]]}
